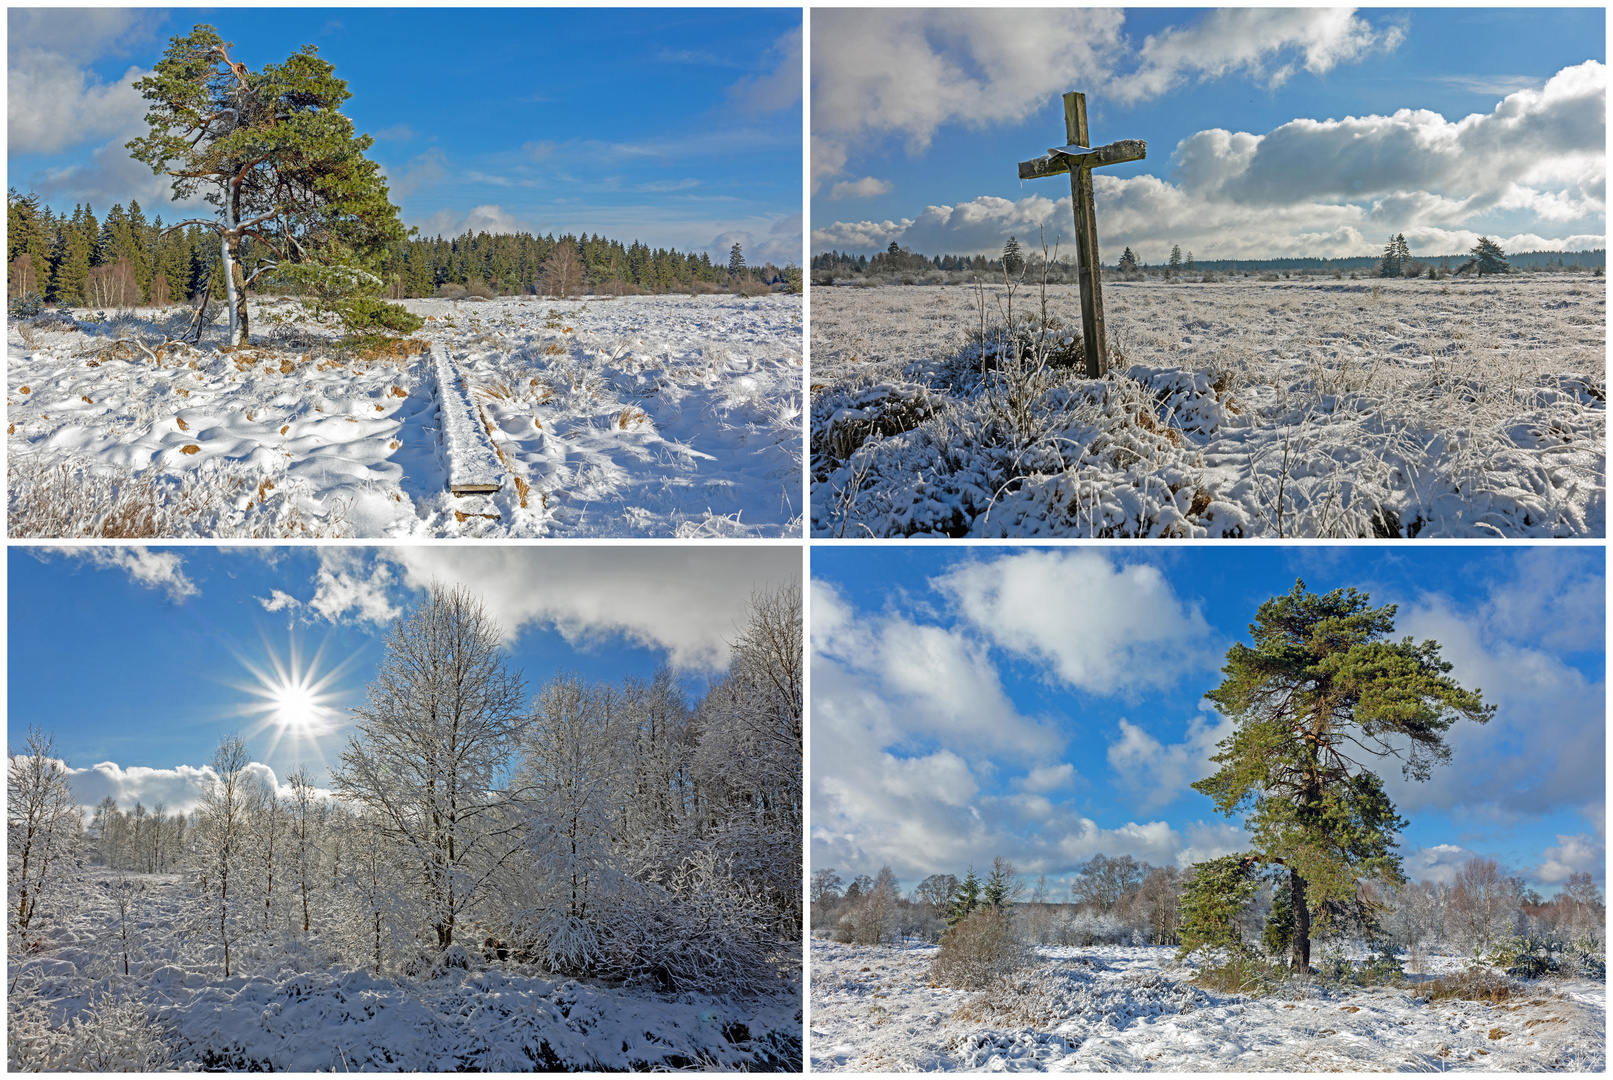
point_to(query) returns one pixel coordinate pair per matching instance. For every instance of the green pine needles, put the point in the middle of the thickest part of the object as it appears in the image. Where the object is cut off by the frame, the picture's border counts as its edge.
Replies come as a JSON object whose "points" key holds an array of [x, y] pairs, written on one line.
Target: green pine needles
{"points": [[272, 152], [1320, 695]]}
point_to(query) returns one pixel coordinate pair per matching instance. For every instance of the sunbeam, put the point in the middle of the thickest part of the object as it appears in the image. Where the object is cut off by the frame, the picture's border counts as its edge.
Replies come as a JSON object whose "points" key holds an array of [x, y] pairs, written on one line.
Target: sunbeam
{"points": [[294, 699]]}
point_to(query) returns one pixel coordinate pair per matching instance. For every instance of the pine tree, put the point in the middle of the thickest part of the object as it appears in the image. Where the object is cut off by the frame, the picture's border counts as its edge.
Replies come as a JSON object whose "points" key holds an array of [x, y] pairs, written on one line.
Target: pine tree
{"points": [[1013, 260], [736, 260], [1176, 259], [273, 153], [1003, 886], [1322, 688], [1189, 264], [1128, 262], [1489, 257]]}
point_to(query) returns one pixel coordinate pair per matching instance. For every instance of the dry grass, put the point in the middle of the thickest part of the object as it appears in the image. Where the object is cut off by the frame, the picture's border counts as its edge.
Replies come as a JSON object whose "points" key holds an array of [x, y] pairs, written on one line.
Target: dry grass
{"points": [[1475, 984]]}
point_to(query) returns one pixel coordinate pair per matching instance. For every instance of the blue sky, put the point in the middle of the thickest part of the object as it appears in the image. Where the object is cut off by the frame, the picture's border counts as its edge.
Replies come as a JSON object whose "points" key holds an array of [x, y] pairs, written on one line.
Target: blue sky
{"points": [[1270, 132], [144, 657], [1048, 704], [677, 127]]}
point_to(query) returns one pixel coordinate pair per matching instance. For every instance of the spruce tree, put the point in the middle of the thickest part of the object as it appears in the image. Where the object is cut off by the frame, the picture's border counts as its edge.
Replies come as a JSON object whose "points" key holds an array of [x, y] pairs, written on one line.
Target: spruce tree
{"points": [[736, 260], [1013, 259], [1322, 691], [965, 898], [1128, 262], [1176, 259]]}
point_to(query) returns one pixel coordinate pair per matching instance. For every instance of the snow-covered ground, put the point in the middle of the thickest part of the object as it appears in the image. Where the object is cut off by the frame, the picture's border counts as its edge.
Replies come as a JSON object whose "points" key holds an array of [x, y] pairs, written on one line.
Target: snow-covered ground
{"points": [[293, 1011], [1303, 407], [633, 416], [1132, 1009]]}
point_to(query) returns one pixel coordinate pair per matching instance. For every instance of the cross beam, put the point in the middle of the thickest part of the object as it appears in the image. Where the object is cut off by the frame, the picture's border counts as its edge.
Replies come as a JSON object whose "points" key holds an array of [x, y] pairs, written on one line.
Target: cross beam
{"points": [[1078, 159]]}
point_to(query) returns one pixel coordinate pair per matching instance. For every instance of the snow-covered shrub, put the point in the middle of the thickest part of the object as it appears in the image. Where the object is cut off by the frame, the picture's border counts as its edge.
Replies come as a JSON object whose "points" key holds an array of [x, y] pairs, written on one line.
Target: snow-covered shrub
{"points": [[1537, 956], [979, 948], [112, 1035], [26, 305], [1095, 928]]}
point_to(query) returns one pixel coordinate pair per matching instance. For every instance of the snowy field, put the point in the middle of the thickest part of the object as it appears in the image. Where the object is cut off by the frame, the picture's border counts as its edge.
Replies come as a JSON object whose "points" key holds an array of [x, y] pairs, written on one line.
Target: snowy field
{"points": [[1303, 407], [72, 1006], [1131, 1009], [634, 416]]}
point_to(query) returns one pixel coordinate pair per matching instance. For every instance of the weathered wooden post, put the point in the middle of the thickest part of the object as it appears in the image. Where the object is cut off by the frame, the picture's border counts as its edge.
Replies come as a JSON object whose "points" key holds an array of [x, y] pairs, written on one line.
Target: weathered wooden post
{"points": [[1078, 159]]}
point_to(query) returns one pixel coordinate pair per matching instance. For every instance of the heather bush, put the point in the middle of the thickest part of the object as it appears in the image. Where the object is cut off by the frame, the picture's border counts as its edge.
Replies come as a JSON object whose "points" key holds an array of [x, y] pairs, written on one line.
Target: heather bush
{"points": [[980, 947]]}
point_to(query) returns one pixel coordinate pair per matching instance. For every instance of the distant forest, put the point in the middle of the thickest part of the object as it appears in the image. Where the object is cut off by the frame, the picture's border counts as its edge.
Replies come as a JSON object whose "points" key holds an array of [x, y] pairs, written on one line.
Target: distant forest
{"points": [[901, 261], [74, 259]]}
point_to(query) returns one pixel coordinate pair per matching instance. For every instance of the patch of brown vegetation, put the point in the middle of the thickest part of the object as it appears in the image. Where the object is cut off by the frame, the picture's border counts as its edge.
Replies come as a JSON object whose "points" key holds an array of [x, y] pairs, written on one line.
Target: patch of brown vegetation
{"points": [[285, 429], [190, 448], [1497, 1033], [398, 391], [182, 425], [1473, 985], [85, 398], [24, 390]]}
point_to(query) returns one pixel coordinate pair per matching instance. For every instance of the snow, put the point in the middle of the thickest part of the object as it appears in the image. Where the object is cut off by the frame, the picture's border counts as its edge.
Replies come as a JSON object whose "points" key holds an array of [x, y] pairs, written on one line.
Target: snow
{"points": [[1132, 1008], [1309, 407], [294, 1012], [630, 416]]}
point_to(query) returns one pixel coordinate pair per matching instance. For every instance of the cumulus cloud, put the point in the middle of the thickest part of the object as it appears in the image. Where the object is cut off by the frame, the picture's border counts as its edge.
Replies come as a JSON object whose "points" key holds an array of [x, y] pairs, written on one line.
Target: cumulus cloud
{"points": [[780, 244], [1095, 624], [688, 602], [1264, 44], [488, 218], [53, 98], [1579, 853], [779, 88], [1158, 774], [149, 567], [279, 601], [1437, 863], [353, 587], [179, 789], [1326, 188], [860, 189]]}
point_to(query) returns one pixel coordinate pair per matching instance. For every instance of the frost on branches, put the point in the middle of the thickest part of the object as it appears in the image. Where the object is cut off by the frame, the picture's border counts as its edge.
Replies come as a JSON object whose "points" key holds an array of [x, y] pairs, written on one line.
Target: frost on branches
{"points": [[481, 851]]}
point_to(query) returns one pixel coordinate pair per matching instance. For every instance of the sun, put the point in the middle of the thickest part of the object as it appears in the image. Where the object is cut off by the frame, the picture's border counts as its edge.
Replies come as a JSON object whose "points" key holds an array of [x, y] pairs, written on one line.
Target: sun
{"points": [[294, 698]]}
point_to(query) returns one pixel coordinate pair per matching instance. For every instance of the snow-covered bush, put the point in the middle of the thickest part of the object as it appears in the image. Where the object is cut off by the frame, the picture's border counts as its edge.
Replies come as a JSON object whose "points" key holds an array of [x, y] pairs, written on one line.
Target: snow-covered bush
{"points": [[979, 948], [26, 305], [113, 1034]]}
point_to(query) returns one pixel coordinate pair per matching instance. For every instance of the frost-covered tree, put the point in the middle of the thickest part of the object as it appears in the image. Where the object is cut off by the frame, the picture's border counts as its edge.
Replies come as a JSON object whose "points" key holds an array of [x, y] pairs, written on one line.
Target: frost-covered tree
{"points": [[432, 749], [1128, 262], [272, 152], [224, 845], [42, 826], [304, 821], [1489, 258], [1175, 264], [267, 822], [1321, 693], [1013, 258]]}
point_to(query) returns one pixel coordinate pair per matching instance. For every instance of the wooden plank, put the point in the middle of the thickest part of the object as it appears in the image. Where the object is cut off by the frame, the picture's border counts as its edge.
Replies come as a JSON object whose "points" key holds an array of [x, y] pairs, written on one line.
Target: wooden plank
{"points": [[473, 467], [1055, 163]]}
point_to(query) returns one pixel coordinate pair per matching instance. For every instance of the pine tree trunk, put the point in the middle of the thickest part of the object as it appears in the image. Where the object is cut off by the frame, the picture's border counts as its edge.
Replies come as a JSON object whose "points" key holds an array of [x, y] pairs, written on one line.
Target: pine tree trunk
{"points": [[1300, 956]]}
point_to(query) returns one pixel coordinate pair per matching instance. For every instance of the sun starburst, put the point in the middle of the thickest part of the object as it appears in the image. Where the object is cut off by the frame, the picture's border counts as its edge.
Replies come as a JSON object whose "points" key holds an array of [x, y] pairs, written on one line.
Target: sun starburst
{"points": [[295, 698]]}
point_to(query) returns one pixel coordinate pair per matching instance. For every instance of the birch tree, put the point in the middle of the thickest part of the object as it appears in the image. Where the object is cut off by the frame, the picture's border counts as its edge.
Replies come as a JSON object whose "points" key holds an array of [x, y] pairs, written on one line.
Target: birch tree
{"points": [[272, 152], [222, 819], [41, 825], [432, 750]]}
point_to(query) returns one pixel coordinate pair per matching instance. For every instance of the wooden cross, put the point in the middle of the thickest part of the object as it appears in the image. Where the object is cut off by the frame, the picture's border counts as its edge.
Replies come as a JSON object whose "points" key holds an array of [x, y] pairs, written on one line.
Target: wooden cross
{"points": [[1078, 159]]}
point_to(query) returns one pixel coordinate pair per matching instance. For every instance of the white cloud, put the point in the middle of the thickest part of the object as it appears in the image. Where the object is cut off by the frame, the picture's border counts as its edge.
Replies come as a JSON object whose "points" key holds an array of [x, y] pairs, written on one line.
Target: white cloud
{"points": [[279, 601], [1573, 854], [689, 602], [860, 189], [1159, 774], [779, 88], [1262, 43], [779, 245], [1438, 863], [488, 218], [179, 789], [145, 566], [53, 99], [349, 585], [423, 171], [1096, 625], [1326, 188], [1044, 778]]}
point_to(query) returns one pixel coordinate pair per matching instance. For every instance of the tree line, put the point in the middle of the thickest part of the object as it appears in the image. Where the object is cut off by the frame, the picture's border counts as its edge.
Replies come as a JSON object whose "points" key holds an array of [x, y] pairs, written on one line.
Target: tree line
{"points": [[78, 260], [608, 829]]}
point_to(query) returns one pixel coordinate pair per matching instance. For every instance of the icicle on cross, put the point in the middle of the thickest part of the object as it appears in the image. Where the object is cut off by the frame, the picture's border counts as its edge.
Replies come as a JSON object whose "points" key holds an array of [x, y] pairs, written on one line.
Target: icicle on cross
{"points": [[1078, 159]]}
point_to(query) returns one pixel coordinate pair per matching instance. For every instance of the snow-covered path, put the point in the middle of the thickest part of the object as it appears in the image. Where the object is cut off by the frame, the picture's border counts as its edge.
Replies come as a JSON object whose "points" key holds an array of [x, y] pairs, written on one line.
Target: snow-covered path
{"points": [[635, 416], [1131, 1009]]}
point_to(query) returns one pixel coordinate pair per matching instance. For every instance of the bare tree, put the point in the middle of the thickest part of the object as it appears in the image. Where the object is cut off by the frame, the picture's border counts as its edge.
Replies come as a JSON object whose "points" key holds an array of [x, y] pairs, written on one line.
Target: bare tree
{"points": [[434, 742], [222, 819], [562, 274], [268, 819], [1484, 900], [41, 826], [304, 837]]}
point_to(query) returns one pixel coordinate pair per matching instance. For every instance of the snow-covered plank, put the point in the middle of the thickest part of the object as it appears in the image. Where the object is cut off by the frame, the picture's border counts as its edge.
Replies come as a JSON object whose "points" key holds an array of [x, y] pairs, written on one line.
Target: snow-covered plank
{"points": [[473, 467]]}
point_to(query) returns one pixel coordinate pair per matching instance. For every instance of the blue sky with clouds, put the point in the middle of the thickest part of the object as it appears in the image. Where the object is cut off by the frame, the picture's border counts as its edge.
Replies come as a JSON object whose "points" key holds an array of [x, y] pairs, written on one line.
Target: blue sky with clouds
{"points": [[676, 127], [143, 658], [1047, 704], [1270, 132]]}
